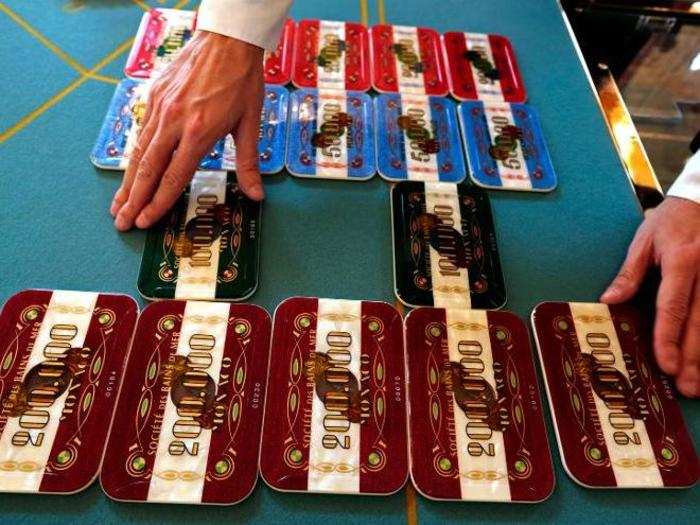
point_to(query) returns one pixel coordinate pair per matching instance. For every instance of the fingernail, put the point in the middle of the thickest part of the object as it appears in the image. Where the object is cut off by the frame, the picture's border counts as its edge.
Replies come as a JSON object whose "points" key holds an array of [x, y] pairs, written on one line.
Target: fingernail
{"points": [[114, 208], [256, 192], [142, 221], [689, 387], [122, 223], [609, 294], [672, 364]]}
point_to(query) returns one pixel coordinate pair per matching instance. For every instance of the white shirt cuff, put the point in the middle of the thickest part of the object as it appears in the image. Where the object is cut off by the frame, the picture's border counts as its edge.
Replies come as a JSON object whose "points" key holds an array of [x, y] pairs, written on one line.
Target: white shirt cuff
{"points": [[258, 22], [687, 185]]}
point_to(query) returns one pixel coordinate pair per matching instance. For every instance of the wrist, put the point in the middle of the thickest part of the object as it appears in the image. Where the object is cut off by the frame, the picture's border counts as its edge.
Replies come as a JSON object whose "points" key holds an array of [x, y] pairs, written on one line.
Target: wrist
{"points": [[228, 44]]}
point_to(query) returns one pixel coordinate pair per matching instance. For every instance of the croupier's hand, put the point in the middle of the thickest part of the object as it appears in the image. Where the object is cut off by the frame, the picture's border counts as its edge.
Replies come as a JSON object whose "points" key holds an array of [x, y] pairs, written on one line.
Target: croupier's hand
{"points": [[670, 238], [213, 88]]}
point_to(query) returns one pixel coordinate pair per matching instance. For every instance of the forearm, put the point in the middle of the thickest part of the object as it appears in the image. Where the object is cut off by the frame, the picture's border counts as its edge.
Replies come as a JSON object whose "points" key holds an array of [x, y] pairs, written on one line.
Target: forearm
{"points": [[258, 22], [687, 185]]}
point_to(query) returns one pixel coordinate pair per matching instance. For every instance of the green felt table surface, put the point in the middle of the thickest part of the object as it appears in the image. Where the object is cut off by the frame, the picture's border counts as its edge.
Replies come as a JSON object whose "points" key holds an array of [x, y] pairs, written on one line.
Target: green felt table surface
{"points": [[320, 238]]}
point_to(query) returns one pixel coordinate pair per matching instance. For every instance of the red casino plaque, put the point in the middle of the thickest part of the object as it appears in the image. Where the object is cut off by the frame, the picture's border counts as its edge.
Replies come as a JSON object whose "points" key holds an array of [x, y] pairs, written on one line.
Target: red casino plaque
{"points": [[187, 427], [616, 417], [62, 358], [476, 429], [161, 36], [331, 55], [335, 415], [278, 64], [482, 67], [407, 60]]}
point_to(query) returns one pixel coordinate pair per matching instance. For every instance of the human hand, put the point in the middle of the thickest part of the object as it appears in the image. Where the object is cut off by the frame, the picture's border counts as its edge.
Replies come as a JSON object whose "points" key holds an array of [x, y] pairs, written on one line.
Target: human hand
{"points": [[213, 88], [669, 237]]}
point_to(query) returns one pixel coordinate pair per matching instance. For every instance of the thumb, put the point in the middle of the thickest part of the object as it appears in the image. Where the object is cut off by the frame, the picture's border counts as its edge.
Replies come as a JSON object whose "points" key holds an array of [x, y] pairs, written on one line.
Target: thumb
{"points": [[247, 169], [632, 272]]}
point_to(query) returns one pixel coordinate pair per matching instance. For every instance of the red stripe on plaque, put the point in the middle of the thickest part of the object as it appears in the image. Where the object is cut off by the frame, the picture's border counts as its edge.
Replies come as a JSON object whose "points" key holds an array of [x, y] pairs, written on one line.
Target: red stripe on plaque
{"points": [[384, 74], [459, 68], [357, 75], [304, 70], [434, 462], [383, 456], [77, 449], [585, 453], [20, 320], [278, 66], [672, 444], [133, 442], [529, 463], [235, 443], [284, 456], [433, 64], [141, 64], [511, 81]]}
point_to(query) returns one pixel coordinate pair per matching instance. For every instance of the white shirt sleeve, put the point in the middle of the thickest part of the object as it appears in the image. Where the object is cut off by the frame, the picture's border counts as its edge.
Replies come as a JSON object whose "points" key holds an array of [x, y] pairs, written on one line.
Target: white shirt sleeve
{"points": [[258, 22], [687, 184]]}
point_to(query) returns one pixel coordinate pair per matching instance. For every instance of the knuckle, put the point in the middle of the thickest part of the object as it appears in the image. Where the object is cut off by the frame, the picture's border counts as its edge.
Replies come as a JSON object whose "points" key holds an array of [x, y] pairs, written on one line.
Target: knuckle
{"points": [[625, 276], [676, 259], [145, 169], [195, 123], [174, 180], [126, 210], [247, 165], [675, 310], [138, 149], [171, 108]]}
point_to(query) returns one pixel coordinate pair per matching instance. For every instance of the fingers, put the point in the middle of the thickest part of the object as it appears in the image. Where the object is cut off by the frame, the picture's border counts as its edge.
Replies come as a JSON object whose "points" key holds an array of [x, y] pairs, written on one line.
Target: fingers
{"points": [[672, 304], [247, 169], [631, 274], [148, 128], [178, 173], [688, 379], [149, 170]]}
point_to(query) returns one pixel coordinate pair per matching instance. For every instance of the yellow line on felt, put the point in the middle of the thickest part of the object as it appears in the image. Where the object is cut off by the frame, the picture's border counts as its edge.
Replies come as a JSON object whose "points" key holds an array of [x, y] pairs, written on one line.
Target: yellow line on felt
{"points": [[51, 46], [181, 3], [411, 508], [142, 5], [364, 12], [33, 115], [381, 12]]}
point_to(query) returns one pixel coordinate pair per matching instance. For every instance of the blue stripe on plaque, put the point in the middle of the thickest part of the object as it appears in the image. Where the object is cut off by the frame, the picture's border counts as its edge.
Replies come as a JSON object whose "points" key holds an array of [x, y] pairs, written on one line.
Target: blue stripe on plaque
{"points": [[109, 148], [477, 139], [391, 152], [450, 159], [539, 164]]}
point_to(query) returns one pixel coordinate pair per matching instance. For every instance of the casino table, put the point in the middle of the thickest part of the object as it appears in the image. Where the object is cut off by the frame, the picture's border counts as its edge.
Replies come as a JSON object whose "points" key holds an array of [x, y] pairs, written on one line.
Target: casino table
{"points": [[60, 62]]}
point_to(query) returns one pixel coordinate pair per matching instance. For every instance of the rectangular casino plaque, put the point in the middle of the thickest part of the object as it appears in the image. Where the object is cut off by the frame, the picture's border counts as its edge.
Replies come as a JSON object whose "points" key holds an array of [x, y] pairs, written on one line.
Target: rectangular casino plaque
{"points": [[331, 55], [62, 356], [335, 416], [505, 147], [331, 135], [482, 67], [187, 427], [407, 59], [617, 420], [207, 247], [477, 428], [445, 250], [161, 36]]}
